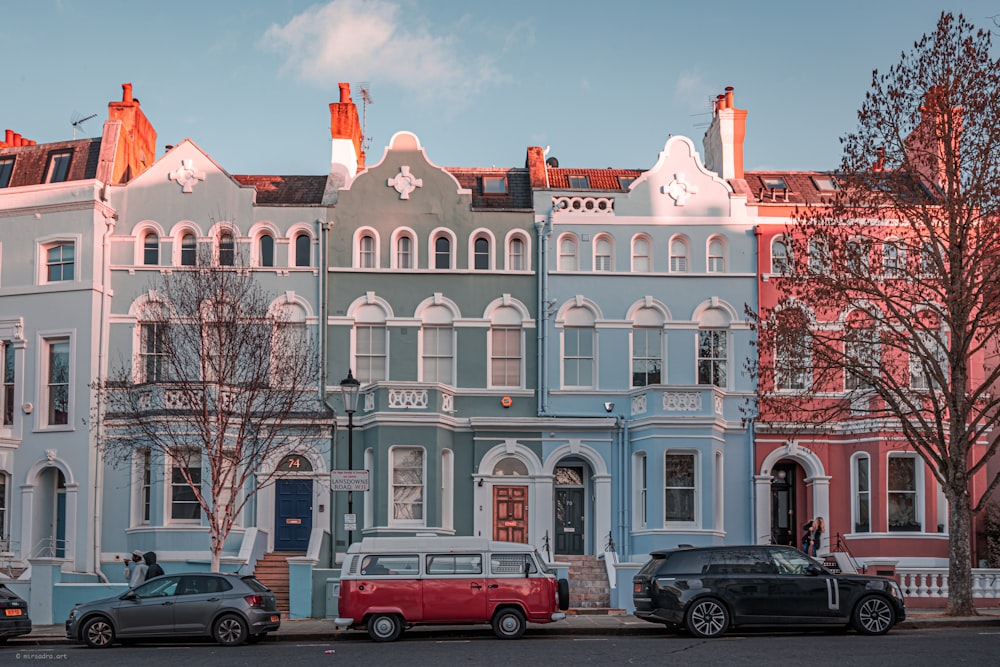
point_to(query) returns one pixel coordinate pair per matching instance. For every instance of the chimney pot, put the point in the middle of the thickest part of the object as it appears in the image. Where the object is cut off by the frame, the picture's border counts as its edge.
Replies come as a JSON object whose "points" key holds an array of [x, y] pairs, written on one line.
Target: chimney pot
{"points": [[17, 139], [127, 92], [729, 98], [9, 137], [345, 92]]}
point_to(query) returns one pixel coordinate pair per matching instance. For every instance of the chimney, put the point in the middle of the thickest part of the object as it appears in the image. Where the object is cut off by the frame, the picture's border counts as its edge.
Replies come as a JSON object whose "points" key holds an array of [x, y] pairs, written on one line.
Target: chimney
{"points": [[135, 148], [535, 164], [940, 121], [723, 140], [345, 132]]}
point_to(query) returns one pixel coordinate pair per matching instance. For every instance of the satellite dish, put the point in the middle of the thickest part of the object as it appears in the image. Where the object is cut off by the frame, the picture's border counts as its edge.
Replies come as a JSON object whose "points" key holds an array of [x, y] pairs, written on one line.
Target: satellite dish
{"points": [[77, 120], [552, 162]]}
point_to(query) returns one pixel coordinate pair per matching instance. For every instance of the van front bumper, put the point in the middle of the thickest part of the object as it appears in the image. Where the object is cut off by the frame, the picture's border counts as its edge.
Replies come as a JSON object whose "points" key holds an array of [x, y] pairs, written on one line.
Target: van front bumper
{"points": [[339, 623], [557, 616]]}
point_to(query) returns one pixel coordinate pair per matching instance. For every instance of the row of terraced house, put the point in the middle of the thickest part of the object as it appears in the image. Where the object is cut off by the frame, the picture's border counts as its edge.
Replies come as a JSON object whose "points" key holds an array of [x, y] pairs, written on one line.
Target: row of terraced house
{"points": [[547, 354]]}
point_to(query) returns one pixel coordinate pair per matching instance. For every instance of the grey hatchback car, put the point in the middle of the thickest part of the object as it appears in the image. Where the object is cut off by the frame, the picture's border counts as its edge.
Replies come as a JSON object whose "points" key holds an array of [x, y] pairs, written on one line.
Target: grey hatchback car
{"points": [[230, 608]]}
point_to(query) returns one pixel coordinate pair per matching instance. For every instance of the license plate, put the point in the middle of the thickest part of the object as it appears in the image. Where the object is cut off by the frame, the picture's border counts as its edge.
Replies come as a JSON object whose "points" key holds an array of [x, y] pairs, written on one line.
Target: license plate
{"points": [[12, 612], [275, 618]]}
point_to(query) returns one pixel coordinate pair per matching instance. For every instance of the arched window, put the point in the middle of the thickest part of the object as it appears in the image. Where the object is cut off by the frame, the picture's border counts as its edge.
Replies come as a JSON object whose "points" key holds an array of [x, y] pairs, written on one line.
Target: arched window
{"points": [[404, 252], [603, 254], [366, 252], [510, 466], [265, 250], [189, 249], [640, 255], [515, 254], [716, 255], [481, 254], [781, 256], [303, 246], [151, 249], [227, 249], [678, 255], [568, 259], [893, 258], [442, 253]]}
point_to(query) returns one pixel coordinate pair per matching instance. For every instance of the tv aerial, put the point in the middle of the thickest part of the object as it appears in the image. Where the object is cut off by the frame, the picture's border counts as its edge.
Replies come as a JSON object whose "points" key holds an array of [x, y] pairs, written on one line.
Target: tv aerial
{"points": [[78, 119], [365, 89]]}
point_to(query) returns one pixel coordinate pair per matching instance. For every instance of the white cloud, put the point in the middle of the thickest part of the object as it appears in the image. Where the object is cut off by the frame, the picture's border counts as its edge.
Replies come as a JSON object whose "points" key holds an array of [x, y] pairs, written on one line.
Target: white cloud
{"points": [[352, 40]]}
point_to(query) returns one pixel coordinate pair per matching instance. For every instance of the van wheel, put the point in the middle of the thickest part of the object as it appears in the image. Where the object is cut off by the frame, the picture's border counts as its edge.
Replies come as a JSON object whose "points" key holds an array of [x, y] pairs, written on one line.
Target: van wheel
{"points": [[508, 623], [384, 627], [873, 616], [707, 618], [563, 587]]}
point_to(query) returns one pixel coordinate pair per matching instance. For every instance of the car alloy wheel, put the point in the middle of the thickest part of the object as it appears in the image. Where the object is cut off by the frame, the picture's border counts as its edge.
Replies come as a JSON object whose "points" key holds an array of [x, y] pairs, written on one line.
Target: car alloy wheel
{"points": [[707, 618], [98, 633], [873, 616], [384, 628], [230, 630]]}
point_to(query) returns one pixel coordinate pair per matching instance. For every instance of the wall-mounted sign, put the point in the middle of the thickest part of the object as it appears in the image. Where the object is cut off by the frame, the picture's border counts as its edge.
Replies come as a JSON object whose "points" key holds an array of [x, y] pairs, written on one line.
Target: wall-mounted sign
{"points": [[348, 480]]}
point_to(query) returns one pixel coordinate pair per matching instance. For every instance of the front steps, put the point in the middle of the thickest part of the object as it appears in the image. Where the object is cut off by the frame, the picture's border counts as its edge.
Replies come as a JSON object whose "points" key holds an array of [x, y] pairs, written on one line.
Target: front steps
{"points": [[272, 571], [589, 591]]}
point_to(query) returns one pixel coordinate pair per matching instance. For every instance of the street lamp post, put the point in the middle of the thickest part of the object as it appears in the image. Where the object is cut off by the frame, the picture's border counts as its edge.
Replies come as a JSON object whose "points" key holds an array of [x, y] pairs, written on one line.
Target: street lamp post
{"points": [[349, 387]]}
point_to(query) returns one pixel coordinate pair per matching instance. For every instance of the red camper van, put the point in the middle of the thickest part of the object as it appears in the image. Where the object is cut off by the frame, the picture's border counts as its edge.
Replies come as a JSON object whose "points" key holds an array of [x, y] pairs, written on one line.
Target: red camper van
{"points": [[390, 583]]}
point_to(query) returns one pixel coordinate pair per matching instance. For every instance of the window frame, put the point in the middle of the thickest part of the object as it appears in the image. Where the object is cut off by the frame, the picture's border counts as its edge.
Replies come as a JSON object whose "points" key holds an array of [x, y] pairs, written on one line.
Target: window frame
{"points": [[490, 184], [8, 383], [6, 170], [715, 361], [482, 258], [640, 258], [367, 257], [394, 519], [680, 262], [604, 257], [155, 355], [917, 492], [188, 253], [504, 358], [516, 261], [46, 415], [565, 257], [437, 254], [47, 265], [579, 359], [265, 256], [432, 359], [365, 362], [173, 484], [692, 489], [398, 253], [227, 248], [861, 498], [578, 182], [302, 250], [659, 358], [783, 260], [57, 166], [716, 262]]}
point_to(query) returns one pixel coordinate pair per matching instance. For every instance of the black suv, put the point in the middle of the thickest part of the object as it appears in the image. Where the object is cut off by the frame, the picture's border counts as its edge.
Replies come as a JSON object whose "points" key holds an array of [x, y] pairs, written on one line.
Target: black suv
{"points": [[710, 589]]}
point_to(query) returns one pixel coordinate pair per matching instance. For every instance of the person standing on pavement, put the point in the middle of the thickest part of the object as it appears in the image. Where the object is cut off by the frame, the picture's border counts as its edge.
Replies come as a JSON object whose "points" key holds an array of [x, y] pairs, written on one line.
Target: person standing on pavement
{"points": [[153, 568], [817, 534], [135, 571]]}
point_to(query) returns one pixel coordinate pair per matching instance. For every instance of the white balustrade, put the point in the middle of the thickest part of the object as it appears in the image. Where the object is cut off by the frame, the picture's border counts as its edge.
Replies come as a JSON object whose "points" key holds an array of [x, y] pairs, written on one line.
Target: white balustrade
{"points": [[933, 582]]}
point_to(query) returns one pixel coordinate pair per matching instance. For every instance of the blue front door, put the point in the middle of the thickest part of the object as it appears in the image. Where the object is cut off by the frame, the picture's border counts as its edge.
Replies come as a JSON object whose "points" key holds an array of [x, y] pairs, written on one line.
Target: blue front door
{"points": [[293, 515]]}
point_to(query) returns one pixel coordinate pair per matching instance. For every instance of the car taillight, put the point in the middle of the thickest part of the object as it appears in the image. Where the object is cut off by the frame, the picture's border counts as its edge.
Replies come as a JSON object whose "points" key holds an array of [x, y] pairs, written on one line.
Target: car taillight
{"points": [[254, 600]]}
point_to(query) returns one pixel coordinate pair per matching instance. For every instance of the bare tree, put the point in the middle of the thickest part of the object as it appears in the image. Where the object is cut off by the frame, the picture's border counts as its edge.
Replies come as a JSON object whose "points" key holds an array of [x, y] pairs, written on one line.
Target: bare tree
{"points": [[890, 316], [224, 381]]}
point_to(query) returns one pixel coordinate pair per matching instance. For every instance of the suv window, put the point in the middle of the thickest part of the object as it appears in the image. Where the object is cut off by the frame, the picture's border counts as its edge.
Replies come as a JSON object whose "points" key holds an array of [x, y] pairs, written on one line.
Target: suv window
{"points": [[741, 561], [686, 562], [791, 561]]}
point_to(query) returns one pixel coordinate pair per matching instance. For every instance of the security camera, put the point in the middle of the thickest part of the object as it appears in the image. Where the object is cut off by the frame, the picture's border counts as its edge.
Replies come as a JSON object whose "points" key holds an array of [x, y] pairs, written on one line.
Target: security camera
{"points": [[609, 406]]}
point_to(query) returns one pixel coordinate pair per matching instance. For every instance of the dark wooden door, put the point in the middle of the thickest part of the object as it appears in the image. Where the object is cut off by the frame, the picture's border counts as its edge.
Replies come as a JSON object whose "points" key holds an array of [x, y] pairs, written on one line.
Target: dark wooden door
{"points": [[783, 521], [293, 518], [569, 520]]}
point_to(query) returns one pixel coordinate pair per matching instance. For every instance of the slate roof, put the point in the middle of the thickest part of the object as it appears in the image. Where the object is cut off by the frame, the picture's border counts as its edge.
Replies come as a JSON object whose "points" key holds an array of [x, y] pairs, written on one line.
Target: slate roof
{"points": [[802, 188], [518, 195], [286, 190], [31, 162]]}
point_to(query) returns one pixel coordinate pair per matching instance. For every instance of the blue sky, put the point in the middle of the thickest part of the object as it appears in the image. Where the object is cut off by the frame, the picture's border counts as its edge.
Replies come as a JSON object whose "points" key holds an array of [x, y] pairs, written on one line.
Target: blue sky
{"points": [[602, 83]]}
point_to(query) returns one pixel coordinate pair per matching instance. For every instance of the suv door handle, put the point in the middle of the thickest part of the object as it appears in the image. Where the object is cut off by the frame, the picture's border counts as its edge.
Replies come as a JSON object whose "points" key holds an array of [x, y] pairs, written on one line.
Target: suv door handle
{"points": [[494, 586]]}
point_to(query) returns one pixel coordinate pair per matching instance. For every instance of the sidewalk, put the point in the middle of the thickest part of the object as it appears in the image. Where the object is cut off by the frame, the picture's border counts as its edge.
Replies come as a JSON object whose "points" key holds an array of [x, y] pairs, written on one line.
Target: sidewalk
{"points": [[313, 629]]}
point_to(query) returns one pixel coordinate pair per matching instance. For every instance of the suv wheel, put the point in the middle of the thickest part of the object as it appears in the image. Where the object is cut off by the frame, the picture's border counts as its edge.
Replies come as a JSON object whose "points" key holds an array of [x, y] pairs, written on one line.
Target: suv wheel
{"points": [[98, 633], [508, 623], [873, 616], [707, 618], [384, 627]]}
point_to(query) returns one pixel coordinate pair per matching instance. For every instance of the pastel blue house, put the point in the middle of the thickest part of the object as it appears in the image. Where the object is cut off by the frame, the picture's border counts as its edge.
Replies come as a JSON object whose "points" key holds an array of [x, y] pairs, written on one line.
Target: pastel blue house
{"points": [[646, 276]]}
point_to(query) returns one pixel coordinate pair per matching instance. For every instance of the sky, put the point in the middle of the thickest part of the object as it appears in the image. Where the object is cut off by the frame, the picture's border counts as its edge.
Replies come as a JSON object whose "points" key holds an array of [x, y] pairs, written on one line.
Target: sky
{"points": [[603, 84]]}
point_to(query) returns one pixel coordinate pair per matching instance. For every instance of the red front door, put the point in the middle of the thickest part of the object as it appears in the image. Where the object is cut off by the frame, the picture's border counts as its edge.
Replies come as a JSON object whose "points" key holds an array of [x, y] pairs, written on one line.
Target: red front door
{"points": [[510, 513]]}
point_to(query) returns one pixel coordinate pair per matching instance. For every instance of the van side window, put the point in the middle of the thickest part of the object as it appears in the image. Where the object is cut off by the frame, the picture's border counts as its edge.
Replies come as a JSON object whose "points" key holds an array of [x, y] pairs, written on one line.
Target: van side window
{"points": [[512, 564], [390, 564], [454, 564]]}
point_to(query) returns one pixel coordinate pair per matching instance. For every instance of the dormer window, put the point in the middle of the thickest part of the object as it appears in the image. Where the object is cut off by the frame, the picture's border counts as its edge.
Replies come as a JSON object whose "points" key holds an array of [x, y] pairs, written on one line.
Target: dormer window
{"points": [[625, 182], [825, 183], [494, 185], [6, 169], [579, 182], [774, 186], [58, 168]]}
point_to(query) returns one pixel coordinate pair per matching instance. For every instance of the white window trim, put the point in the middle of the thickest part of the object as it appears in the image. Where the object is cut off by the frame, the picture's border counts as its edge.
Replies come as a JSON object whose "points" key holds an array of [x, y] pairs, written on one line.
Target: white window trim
{"points": [[686, 256], [45, 338], [855, 491], [525, 252], [43, 243], [663, 353], [562, 358], [491, 259], [168, 493], [640, 491], [255, 257], [177, 243], [489, 357], [789, 259], [138, 459], [696, 492], [292, 237], [407, 523], [723, 257], [376, 248], [729, 356], [422, 370], [919, 499], [447, 490], [611, 253], [569, 236], [649, 253], [452, 249], [354, 349], [414, 252]]}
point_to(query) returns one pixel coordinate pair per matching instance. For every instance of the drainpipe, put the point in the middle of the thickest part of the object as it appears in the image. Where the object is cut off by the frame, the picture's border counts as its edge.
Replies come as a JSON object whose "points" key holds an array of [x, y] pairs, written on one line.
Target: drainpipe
{"points": [[109, 225], [324, 231], [543, 228], [751, 432]]}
